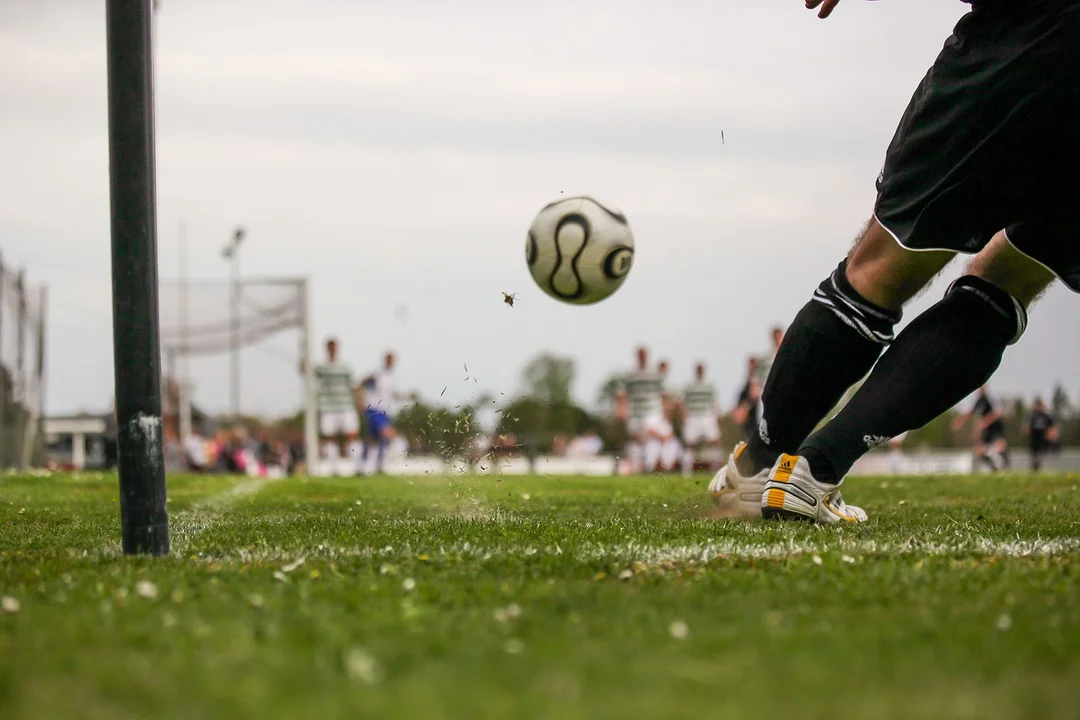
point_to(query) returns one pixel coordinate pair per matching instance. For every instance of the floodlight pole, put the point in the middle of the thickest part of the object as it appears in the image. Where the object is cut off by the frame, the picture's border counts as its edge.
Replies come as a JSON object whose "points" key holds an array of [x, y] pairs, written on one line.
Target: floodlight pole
{"points": [[232, 253], [136, 343], [183, 368]]}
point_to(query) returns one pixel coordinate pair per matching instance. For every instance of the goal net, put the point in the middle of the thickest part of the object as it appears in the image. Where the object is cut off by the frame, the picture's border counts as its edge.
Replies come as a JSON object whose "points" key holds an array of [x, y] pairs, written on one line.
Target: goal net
{"points": [[240, 349]]}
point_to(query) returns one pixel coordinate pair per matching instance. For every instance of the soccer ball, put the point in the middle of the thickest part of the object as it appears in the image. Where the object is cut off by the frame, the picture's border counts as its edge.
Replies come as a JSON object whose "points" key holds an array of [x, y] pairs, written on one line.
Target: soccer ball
{"points": [[579, 250]]}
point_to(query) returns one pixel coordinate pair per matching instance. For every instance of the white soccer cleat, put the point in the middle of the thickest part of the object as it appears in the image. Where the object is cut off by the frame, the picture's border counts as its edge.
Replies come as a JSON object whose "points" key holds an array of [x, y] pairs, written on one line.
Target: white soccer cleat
{"points": [[792, 493], [729, 489]]}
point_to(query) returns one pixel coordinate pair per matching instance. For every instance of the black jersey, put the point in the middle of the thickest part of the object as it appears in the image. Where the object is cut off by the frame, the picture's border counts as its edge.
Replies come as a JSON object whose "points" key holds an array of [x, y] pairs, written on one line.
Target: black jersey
{"points": [[1039, 427]]}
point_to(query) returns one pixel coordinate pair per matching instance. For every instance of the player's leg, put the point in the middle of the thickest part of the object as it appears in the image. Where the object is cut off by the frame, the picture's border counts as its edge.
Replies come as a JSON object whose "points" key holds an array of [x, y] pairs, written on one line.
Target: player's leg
{"points": [[635, 454], [835, 339], [986, 454], [330, 429], [384, 434], [1002, 448], [654, 444], [983, 145], [343, 427], [370, 436], [670, 449], [691, 441], [1035, 448], [355, 448], [943, 356], [634, 445], [709, 450]]}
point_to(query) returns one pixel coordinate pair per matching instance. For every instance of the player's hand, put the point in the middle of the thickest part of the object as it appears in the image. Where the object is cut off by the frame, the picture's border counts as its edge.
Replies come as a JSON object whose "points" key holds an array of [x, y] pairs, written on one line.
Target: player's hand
{"points": [[827, 6]]}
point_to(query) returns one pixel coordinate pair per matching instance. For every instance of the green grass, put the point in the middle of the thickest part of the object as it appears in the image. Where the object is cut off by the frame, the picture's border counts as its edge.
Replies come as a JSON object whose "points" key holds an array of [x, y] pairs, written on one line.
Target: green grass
{"points": [[959, 599]]}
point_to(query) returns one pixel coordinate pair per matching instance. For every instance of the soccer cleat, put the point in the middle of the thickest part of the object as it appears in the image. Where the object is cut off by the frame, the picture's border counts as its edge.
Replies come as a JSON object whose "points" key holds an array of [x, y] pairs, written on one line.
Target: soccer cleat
{"points": [[729, 488], [792, 493]]}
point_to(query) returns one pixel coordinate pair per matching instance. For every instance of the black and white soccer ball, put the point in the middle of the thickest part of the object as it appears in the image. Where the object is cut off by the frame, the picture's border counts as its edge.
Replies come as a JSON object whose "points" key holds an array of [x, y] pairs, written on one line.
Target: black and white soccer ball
{"points": [[579, 250]]}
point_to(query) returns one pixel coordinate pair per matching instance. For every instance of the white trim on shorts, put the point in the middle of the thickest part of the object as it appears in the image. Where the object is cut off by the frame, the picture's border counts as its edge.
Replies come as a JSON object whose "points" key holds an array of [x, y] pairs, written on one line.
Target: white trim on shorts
{"points": [[1005, 234], [900, 242]]}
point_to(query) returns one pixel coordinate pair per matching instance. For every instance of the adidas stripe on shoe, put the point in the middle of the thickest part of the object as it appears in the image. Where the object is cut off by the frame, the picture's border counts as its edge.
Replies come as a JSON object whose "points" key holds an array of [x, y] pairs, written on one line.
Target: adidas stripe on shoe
{"points": [[791, 492]]}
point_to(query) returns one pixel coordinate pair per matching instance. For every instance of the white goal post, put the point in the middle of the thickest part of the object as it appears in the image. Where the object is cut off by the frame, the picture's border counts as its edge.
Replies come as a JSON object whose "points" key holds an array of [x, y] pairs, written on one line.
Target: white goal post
{"points": [[207, 319]]}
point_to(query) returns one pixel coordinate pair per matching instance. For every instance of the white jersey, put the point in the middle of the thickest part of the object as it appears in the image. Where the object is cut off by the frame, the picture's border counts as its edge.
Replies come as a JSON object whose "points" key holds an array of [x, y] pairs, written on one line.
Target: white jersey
{"points": [[383, 391], [334, 387], [645, 390], [699, 399]]}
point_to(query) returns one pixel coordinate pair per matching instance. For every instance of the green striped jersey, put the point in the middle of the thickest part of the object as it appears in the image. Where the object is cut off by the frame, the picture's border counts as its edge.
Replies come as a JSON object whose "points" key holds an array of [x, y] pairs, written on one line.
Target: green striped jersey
{"points": [[334, 388], [700, 399], [645, 391]]}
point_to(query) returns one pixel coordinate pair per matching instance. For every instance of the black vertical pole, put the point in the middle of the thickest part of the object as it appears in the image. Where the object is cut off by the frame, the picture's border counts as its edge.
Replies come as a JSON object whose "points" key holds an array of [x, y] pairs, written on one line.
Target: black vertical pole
{"points": [[136, 345]]}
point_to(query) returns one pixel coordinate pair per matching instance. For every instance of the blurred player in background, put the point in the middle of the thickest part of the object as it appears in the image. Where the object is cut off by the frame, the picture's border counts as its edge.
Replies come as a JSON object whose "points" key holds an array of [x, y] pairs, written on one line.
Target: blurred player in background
{"points": [[765, 362], [1042, 433], [335, 398], [990, 444], [640, 404], [380, 397], [746, 412], [670, 447], [701, 423]]}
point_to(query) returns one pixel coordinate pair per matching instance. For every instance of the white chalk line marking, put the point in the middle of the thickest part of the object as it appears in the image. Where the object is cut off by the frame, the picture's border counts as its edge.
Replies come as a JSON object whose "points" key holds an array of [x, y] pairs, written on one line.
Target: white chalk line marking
{"points": [[659, 554], [188, 525]]}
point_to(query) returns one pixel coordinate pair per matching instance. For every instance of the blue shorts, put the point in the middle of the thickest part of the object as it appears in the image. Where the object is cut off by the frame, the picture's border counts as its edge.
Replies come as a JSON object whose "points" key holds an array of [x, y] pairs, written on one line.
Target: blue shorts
{"points": [[378, 421]]}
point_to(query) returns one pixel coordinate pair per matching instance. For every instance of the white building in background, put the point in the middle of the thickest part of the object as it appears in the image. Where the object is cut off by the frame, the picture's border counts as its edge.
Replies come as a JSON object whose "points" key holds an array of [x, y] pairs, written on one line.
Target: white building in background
{"points": [[75, 442]]}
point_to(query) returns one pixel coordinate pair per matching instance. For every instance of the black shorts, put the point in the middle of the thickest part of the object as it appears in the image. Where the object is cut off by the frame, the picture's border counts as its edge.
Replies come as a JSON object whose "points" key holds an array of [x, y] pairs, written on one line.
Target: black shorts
{"points": [[991, 139], [992, 434]]}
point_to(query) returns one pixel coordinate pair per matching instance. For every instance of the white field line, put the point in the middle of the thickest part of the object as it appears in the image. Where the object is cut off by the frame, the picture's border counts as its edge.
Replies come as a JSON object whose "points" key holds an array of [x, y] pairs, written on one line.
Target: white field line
{"points": [[659, 554], [187, 525]]}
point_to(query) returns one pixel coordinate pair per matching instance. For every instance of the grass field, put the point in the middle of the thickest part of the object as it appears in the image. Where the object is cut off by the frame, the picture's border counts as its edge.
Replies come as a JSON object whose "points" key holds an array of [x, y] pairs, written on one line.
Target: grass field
{"points": [[540, 597]]}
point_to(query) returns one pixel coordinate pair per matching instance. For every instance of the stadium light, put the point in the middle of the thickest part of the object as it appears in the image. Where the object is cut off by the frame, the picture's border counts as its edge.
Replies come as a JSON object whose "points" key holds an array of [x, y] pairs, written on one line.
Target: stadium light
{"points": [[133, 220], [232, 253]]}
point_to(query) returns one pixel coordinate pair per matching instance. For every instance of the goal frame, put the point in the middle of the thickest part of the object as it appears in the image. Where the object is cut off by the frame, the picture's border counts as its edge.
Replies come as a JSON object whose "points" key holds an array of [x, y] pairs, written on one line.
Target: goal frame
{"points": [[180, 347]]}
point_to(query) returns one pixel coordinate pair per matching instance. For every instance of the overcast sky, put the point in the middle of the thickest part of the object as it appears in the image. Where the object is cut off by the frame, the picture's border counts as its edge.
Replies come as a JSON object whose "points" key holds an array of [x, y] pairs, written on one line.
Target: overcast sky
{"points": [[395, 152]]}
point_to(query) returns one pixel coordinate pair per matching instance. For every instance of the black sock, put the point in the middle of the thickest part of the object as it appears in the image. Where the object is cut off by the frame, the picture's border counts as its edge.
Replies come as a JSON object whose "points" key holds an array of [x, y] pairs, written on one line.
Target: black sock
{"points": [[832, 343], [946, 353]]}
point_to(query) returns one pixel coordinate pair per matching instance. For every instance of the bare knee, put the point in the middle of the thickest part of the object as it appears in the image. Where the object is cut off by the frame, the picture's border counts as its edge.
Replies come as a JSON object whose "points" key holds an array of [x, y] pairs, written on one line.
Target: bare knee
{"points": [[1007, 268], [888, 274]]}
